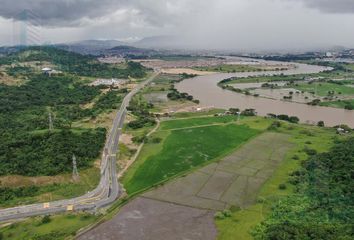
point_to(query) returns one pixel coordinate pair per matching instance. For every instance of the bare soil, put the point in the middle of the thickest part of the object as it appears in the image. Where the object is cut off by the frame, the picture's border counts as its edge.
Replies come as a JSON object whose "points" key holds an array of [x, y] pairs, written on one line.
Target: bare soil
{"points": [[147, 219]]}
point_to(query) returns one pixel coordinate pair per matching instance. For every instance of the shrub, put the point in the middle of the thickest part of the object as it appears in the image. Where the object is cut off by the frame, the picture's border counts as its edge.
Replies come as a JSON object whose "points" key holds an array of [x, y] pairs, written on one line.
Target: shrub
{"points": [[282, 186], [321, 124], [227, 213], [156, 140], [274, 125], [219, 215], [310, 151], [46, 219]]}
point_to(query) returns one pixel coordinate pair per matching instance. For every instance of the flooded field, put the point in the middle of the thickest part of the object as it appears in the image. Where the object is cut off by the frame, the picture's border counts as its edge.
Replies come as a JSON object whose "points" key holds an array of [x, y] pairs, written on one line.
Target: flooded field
{"points": [[256, 85], [205, 89], [150, 219], [233, 181], [279, 94]]}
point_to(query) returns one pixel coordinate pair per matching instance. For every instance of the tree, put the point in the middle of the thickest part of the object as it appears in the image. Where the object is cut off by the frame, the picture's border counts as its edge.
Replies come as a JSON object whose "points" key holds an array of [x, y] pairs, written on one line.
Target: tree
{"points": [[321, 124], [46, 219], [294, 119], [234, 111]]}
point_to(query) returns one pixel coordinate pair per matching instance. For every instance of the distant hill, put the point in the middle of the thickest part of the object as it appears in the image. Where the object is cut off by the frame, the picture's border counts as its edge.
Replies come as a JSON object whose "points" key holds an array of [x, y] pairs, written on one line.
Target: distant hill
{"points": [[106, 47], [129, 51], [160, 42], [93, 47]]}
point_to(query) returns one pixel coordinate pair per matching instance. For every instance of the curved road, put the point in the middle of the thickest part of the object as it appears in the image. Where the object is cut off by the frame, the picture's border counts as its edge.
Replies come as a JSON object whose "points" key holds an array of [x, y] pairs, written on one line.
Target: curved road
{"points": [[108, 189]]}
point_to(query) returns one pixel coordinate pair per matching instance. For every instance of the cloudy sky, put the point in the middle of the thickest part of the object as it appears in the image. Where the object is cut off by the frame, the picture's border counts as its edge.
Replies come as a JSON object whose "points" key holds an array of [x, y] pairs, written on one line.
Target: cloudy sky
{"points": [[212, 24]]}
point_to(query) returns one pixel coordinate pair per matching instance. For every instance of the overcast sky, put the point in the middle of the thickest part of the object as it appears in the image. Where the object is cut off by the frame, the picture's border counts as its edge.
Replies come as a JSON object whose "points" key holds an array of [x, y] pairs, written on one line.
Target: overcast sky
{"points": [[213, 24]]}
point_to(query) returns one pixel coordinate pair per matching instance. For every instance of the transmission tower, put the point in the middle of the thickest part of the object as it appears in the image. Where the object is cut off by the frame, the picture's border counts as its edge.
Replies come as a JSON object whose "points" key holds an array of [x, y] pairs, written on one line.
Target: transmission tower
{"points": [[75, 171], [50, 119]]}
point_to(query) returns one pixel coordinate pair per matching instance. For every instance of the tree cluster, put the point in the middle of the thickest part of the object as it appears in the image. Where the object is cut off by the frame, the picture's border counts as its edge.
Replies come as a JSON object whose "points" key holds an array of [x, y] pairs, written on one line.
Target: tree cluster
{"points": [[323, 207]]}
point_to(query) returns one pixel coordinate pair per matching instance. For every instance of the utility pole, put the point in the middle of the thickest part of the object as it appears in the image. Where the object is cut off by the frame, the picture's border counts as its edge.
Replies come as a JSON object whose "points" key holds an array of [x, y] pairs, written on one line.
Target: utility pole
{"points": [[75, 171], [50, 119]]}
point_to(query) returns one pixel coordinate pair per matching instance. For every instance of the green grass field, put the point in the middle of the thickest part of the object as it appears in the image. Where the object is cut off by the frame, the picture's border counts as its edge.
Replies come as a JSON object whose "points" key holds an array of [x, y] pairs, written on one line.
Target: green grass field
{"points": [[227, 68], [183, 149], [339, 104], [322, 89], [193, 122], [60, 227], [240, 224], [276, 78]]}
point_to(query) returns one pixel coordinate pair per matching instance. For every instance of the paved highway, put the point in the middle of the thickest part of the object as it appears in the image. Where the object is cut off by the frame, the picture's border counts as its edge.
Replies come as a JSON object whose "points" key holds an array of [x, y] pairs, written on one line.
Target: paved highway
{"points": [[108, 189]]}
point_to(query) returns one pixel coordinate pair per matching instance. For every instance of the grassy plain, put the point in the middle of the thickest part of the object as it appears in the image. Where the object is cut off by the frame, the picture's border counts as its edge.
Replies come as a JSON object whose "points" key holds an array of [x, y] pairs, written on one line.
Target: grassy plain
{"points": [[322, 89], [193, 122], [182, 149], [59, 227], [227, 68], [52, 188], [339, 104], [241, 222]]}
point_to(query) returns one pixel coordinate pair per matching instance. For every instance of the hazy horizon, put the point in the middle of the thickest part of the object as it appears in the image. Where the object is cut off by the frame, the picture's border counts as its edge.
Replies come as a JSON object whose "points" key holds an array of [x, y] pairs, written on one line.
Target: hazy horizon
{"points": [[243, 25]]}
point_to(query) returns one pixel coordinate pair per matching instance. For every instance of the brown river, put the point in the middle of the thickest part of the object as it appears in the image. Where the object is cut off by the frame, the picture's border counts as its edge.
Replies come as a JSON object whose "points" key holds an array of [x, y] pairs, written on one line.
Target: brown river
{"points": [[205, 89]]}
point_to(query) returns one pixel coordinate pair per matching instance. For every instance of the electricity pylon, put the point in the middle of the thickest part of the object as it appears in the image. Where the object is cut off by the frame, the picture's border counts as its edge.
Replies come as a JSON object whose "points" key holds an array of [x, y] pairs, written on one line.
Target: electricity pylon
{"points": [[75, 171], [50, 119]]}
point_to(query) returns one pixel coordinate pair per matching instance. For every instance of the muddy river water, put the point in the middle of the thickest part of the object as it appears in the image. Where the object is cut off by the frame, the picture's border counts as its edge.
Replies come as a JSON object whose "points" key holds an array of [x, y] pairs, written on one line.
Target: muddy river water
{"points": [[205, 89]]}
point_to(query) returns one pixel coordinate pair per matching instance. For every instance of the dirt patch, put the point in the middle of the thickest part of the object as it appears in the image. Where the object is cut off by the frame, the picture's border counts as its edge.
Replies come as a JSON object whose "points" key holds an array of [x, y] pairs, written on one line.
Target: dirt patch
{"points": [[126, 139], [177, 106], [233, 181], [10, 81], [20, 181], [147, 219]]}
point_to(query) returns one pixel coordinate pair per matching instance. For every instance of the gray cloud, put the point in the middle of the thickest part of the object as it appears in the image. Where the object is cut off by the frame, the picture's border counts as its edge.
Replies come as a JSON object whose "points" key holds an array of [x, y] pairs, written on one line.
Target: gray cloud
{"points": [[331, 6], [74, 12], [213, 24], [58, 12]]}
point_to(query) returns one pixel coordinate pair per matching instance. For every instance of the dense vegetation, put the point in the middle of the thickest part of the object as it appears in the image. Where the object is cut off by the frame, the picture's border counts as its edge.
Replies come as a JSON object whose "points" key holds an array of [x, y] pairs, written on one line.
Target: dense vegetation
{"points": [[323, 207], [74, 63], [27, 145], [140, 109], [48, 153]]}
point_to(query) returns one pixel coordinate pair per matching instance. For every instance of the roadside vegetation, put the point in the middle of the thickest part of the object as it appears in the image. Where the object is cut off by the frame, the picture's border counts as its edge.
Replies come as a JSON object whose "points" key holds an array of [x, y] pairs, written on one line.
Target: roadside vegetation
{"points": [[57, 227], [18, 190]]}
